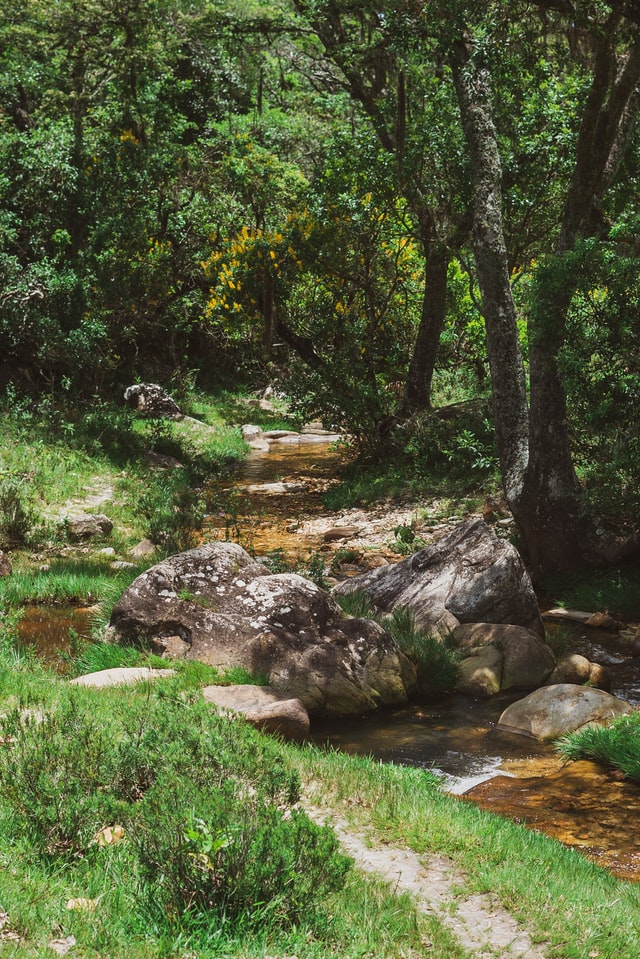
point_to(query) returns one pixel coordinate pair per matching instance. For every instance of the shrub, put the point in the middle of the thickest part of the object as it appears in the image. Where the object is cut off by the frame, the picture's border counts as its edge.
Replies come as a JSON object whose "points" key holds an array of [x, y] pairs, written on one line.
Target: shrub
{"points": [[52, 770], [233, 851], [174, 512], [17, 515], [207, 804], [462, 445]]}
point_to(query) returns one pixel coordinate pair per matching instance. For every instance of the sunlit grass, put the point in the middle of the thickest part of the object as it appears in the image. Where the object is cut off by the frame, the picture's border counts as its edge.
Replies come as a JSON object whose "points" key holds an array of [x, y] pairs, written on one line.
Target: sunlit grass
{"points": [[578, 907], [616, 591], [616, 746], [65, 581]]}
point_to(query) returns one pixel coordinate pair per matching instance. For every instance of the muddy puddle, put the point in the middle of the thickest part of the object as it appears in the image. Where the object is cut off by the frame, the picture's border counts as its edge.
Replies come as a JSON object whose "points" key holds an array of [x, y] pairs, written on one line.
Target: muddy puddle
{"points": [[49, 630]]}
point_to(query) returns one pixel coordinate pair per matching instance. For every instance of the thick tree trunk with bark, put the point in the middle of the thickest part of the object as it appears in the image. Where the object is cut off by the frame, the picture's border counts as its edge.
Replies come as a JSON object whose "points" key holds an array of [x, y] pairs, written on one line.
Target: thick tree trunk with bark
{"points": [[538, 474], [503, 347], [551, 495]]}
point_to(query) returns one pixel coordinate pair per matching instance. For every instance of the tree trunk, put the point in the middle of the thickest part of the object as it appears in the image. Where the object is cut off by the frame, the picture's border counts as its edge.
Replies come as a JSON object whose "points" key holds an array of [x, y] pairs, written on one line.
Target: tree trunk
{"points": [[551, 501], [503, 346], [537, 469], [434, 308]]}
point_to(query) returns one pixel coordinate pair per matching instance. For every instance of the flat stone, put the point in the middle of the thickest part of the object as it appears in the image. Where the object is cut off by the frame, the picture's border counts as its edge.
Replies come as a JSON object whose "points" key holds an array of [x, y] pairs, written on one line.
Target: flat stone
{"points": [[264, 708], [572, 615], [281, 434], [143, 549], [87, 525], [340, 532], [121, 676]]}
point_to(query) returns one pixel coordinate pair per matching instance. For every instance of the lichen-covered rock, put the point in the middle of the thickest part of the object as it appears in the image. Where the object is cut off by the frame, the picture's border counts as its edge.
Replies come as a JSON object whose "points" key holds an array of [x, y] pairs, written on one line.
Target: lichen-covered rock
{"points": [[151, 400], [468, 576], [229, 610], [554, 711]]}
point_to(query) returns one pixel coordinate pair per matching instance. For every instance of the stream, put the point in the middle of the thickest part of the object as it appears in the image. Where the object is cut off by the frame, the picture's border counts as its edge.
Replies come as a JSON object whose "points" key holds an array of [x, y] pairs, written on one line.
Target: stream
{"points": [[270, 505], [580, 804]]}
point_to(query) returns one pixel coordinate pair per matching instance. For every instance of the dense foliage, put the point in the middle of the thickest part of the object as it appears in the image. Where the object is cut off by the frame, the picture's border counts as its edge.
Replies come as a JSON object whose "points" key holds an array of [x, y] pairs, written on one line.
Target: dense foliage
{"points": [[302, 193]]}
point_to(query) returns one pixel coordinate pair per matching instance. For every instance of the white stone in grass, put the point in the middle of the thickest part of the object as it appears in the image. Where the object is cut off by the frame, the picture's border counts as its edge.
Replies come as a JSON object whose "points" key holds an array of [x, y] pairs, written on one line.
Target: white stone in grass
{"points": [[121, 676]]}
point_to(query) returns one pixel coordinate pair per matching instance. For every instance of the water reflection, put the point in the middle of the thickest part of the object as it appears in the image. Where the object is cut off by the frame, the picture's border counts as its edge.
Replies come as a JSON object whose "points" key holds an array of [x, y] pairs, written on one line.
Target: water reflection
{"points": [[46, 629], [581, 804], [457, 739]]}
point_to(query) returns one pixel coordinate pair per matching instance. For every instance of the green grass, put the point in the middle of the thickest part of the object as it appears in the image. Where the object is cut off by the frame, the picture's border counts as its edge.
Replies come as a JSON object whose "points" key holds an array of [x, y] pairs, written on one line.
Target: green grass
{"points": [[616, 591], [616, 746], [579, 908], [67, 581], [103, 453], [561, 896], [436, 662], [232, 408], [47, 859]]}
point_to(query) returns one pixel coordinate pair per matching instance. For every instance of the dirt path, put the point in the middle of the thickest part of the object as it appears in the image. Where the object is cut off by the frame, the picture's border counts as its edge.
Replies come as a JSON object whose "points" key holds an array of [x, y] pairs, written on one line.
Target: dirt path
{"points": [[479, 922]]}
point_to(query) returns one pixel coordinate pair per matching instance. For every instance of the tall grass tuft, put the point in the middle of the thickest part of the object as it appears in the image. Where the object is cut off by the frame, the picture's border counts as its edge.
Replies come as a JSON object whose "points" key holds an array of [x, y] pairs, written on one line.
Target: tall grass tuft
{"points": [[65, 581], [436, 661], [617, 745]]}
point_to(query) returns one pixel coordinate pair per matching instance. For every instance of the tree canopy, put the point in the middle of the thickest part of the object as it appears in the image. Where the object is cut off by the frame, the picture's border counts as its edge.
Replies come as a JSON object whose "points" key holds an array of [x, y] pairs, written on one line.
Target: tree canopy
{"points": [[380, 208]]}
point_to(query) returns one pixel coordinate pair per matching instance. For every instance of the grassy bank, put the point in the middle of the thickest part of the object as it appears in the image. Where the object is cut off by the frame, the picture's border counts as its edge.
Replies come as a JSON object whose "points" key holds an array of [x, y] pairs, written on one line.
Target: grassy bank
{"points": [[144, 826], [56, 464]]}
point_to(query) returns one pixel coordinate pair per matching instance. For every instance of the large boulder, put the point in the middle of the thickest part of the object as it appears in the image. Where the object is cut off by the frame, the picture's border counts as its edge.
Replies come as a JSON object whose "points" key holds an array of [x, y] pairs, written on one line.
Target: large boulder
{"points": [[555, 711], [151, 400], [218, 605], [470, 575], [498, 657]]}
